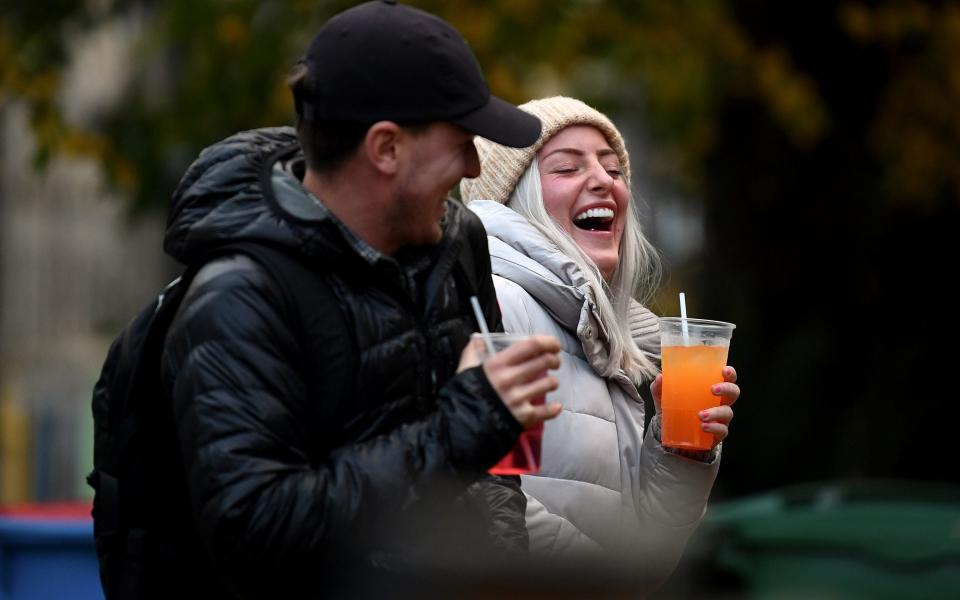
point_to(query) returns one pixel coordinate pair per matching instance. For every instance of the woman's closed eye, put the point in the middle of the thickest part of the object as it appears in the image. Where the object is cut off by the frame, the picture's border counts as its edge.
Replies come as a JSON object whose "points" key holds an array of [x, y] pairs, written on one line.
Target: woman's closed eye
{"points": [[611, 165]]}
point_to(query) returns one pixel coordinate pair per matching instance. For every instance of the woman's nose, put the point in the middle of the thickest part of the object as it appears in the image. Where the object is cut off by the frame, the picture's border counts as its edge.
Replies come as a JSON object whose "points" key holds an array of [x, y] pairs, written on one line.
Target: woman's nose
{"points": [[600, 179]]}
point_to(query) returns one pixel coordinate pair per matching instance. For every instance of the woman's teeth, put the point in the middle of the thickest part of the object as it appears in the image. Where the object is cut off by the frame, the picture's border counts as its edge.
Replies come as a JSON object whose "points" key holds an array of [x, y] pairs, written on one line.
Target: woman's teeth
{"points": [[594, 219], [595, 213]]}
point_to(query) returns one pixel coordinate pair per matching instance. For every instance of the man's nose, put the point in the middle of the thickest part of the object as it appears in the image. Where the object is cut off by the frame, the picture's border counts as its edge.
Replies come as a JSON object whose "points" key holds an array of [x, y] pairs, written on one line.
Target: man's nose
{"points": [[471, 162]]}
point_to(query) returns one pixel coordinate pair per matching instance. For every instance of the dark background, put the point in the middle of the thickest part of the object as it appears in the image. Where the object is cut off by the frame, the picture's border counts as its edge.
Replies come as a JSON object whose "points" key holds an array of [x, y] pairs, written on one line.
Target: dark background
{"points": [[839, 274]]}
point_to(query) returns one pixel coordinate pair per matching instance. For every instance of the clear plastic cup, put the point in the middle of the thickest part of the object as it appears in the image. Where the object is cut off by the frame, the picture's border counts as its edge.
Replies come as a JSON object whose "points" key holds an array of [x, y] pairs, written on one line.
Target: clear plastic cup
{"points": [[524, 457], [692, 362]]}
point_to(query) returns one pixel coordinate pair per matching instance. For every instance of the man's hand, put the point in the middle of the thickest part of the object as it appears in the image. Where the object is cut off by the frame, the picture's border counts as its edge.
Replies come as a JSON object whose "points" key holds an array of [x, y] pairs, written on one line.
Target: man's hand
{"points": [[714, 420], [519, 375]]}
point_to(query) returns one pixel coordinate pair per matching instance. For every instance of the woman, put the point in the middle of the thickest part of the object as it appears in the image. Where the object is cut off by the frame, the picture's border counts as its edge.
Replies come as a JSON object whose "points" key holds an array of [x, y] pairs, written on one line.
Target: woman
{"points": [[569, 259]]}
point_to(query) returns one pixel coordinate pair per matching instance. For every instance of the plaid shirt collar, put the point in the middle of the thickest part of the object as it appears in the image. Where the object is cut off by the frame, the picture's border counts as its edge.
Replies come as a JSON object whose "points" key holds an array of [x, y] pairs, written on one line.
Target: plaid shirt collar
{"points": [[412, 261]]}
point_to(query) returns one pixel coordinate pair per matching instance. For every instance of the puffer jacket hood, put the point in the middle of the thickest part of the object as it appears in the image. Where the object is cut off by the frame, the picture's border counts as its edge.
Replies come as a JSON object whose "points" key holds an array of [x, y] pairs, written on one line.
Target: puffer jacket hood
{"points": [[226, 196], [520, 252]]}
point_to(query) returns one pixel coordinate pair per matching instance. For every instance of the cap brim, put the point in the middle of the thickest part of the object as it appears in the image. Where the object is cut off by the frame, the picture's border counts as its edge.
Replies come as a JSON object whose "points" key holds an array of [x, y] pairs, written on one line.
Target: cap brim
{"points": [[503, 123]]}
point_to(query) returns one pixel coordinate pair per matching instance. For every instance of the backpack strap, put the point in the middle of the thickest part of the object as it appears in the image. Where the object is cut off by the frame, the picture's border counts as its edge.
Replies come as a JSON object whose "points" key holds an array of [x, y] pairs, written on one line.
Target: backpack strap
{"points": [[286, 268], [146, 370]]}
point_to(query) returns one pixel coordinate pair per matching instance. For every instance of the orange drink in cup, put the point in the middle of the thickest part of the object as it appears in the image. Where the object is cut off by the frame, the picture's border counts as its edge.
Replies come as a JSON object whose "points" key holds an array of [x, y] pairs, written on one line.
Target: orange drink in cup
{"points": [[694, 352]]}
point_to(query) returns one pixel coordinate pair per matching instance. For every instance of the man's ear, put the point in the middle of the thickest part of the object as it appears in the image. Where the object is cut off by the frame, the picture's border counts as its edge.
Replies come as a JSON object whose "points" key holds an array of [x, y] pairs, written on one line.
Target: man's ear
{"points": [[381, 146]]}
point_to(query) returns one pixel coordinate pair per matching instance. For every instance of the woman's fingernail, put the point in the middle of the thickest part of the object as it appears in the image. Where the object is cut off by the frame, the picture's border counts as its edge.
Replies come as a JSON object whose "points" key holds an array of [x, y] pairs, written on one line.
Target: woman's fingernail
{"points": [[716, 390], [704, 414]]}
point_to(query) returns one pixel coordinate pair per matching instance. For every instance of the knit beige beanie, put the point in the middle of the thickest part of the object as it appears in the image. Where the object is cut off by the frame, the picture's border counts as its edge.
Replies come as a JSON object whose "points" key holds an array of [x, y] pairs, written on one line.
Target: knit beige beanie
{"points": [[501, 167]]}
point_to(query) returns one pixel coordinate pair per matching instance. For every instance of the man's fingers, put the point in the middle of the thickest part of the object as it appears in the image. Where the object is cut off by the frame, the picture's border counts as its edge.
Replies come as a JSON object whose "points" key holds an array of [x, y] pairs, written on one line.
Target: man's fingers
{"points": [[544, 412], [519, 374], [531, 369], [526, 392], [506, 371], [524, 350], [531, 414], [519, 398], [504, 378], [472, 354]]}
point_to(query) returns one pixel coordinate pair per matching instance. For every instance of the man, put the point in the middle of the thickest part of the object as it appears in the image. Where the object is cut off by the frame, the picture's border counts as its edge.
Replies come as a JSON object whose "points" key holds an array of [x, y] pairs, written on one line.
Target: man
{"points": [[329, 427]]}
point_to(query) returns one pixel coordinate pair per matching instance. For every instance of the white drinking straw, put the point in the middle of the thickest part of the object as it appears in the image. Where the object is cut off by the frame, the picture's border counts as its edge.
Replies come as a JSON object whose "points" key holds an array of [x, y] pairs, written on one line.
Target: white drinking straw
{"points": [[484, 330], [683, 319]]}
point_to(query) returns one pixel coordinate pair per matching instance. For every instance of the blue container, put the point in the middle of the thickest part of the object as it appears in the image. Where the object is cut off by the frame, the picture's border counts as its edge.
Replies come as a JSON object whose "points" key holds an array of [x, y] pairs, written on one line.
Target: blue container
{"points": [[44, 559]]}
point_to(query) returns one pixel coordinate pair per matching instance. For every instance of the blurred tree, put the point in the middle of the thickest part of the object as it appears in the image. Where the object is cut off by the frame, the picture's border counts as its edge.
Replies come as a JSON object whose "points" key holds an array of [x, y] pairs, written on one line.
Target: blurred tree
{"points": [[33, 52], [207, 69]]}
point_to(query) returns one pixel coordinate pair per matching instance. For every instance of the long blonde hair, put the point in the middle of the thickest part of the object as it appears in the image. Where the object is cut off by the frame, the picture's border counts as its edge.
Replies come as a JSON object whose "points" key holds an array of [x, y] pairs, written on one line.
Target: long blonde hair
{"points": [[636, 276]]}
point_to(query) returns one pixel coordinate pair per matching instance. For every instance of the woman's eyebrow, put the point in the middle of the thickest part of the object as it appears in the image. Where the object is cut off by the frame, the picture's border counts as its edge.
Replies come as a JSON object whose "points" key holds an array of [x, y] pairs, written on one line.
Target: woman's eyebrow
{"points": [[577, 152], [566, 151]]}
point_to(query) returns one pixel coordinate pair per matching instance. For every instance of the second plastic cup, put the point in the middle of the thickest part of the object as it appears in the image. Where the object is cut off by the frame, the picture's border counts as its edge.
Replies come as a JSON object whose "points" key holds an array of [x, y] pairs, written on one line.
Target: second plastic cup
{"points": [[524, 457], [692, 362]]}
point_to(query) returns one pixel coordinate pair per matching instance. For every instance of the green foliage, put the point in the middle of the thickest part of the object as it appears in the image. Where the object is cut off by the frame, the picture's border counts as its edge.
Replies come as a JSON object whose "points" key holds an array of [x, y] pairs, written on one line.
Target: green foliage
{"points": [[205, 70]]}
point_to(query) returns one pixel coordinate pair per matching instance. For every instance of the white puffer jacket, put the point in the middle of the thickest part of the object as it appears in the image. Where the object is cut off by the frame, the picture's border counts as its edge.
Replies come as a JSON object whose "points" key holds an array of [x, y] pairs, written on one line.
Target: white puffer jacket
{"points": [[602, 485]]}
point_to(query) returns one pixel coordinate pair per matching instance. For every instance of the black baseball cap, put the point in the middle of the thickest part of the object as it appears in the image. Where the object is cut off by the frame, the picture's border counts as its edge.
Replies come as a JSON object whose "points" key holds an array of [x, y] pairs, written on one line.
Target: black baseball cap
{"points": [[381, 61]]}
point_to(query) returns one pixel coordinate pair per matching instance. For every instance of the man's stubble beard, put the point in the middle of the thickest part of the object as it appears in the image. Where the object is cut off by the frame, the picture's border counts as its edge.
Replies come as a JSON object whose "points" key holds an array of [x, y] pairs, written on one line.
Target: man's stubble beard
{"points": [[405, 217]]}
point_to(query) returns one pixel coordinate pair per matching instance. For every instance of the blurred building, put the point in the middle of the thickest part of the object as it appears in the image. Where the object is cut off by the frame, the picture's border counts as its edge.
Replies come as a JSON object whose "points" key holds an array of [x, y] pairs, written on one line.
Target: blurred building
{"points": [[74, 267]]}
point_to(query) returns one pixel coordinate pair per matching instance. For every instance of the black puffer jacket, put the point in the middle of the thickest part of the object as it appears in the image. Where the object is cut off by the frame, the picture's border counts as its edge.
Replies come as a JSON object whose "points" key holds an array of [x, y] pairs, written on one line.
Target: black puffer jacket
{"points": [[309, 454]]}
